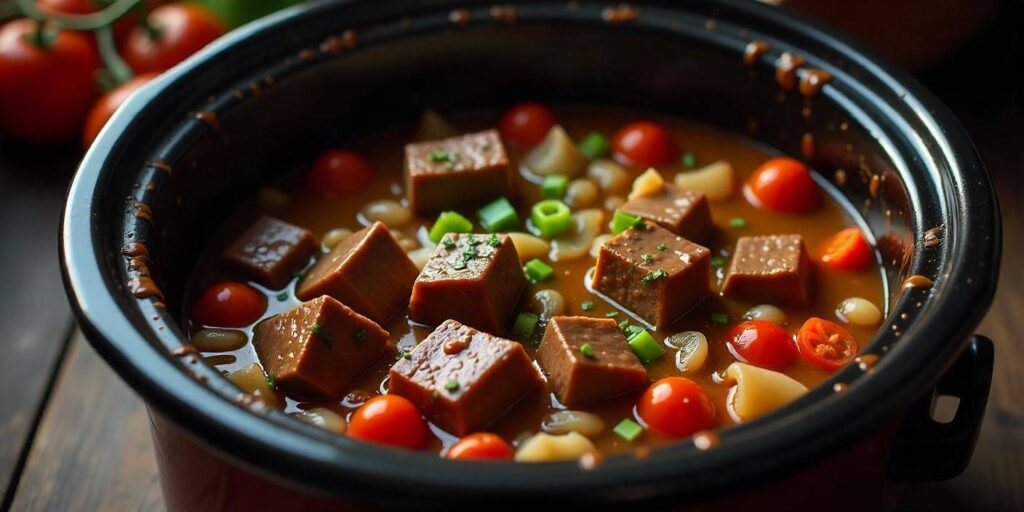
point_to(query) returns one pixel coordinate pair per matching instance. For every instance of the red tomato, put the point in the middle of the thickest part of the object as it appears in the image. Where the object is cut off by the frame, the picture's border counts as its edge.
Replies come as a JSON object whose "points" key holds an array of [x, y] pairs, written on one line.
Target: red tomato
{"points": [[783, 185], [45, 93], [676, 407], [390, 420], [761, 343], [229, 304], [644, 144], [848, 250], [825, 344], [182, 29], [339, 173], [480, 446], [105, 107], [526, 124], [69, 6]]}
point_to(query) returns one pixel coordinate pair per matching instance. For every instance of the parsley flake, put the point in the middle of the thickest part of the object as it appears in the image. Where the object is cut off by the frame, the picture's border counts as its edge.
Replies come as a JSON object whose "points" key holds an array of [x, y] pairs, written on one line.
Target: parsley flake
{"points": [[318, 330], [271, 382], [648, 258], [360, 335], [662, 247], [493, 240], [653, 276], [587, 305], [452, 385], [587, 350]]}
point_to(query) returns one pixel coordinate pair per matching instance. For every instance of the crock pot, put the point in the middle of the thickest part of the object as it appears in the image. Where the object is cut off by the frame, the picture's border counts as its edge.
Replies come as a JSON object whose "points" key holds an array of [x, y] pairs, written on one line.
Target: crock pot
{"points": [[181, 153]]}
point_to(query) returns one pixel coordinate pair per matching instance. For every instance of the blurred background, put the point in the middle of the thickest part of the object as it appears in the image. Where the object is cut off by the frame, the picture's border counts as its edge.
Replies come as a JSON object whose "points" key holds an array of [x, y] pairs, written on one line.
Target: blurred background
{"points": [[76, 438]]}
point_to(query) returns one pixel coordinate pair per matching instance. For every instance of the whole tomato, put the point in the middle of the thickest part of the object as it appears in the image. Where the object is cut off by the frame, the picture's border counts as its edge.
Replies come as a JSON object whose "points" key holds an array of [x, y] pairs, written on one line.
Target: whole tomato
{"points": [[69, 6], [45, 89], [105, 107], [175, 31]]}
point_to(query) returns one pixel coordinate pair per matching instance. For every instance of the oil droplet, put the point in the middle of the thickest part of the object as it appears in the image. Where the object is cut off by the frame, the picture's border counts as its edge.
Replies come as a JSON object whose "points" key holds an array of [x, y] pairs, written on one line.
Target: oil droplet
{"points": [[160, 166], [621, 14], [459, 17], [813, 80], [754, 51], [184, 350], [840, 387], [933, 236], [840, 177], [866, 362], [705, 440], [918, 281], [785, 70], [135, 249], [642, 452], [590, 460], [143, 287], [807, 145], [505, 14], [209, 118], [876, 182]]}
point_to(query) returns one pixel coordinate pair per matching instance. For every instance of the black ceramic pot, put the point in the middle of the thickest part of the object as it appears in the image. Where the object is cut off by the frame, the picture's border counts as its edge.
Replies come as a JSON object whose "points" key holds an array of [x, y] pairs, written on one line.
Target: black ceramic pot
{"points": [[181, 153]]}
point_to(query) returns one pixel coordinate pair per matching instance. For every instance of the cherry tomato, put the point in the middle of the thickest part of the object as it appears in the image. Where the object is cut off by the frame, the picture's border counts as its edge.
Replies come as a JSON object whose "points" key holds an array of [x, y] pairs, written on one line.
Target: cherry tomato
{"points": [[480, 446], [848, 250], [181, 30], [825, 344], [644, 144], [783, 185], [105, 107], [390, 420], [761, 343], [676, 407], [45, 92], [339, 173], [69, 6], [526, 124], [229, 304]]}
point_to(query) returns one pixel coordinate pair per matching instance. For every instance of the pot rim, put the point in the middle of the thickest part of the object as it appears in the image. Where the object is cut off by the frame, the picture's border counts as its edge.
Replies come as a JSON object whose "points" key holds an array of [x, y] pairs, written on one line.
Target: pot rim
{"points": [[791, 437]]}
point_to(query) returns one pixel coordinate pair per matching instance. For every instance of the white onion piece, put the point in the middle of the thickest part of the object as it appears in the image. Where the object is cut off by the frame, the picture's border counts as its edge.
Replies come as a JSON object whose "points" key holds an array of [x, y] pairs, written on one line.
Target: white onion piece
{"points": [[692, 349], [529, 247], [766, 312], [717, 180], [544, 447], [858, 311], [576, 242], [556, 154], [324, 418], [759, 391], [563, 422]]}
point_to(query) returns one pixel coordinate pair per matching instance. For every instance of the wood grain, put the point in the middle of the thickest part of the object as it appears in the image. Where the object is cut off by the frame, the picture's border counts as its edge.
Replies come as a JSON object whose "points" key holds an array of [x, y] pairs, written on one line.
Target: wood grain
{"points": [[92, 451], [34, 316]]}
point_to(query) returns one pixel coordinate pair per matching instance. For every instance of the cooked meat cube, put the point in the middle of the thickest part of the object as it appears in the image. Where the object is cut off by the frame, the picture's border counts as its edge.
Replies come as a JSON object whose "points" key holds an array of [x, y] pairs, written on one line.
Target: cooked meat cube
{"points": [[271, 251], [606, 367], [368, 271], [475, 279], [460, 172], [318, 347], [654, 273], [463, 379], [772, 268], [683, 212]]}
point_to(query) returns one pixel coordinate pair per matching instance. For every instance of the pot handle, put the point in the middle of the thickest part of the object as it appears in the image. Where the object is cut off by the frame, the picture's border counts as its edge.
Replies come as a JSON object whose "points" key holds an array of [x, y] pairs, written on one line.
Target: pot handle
{"points": [[925, 450]]}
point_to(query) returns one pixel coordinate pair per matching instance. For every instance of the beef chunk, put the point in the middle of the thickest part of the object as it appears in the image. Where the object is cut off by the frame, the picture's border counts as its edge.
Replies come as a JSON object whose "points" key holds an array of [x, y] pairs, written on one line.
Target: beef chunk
{"points": [[475, 279], [654, 273], [271, 251], [610, 369], [318, 347], [463, 379], [683, 212], [772, 268], [368, 271], [460, 172]]}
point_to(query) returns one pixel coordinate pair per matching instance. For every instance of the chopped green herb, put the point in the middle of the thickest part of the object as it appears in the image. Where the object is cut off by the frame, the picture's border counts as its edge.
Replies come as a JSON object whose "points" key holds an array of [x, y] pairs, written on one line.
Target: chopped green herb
{"points": [[623, 325], [551, 217], [662, 247], [404, 353], [498, 215], [452, 385], [449, 222], [587, 350], [271, 382], [689, 160], [442, 155], [645, 346], [485, 147], [630, 330], [611, 314], [555, 186], [283, 296], [493, 241], [648, 258], [587, 305], [473, 240], [360, 335], [653, 276], [318, 330], [622, 221], [717, 261], [537, 271], [525, 325], [719, 318], [737, 223], [595, 146], [470, 253], [448, 243], [628, 430], [459, 265]]}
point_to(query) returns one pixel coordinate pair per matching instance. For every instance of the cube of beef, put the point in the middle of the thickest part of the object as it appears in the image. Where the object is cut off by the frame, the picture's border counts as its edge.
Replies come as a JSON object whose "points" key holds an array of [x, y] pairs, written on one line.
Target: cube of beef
{"points": [[683, 212], [772, 268], [463, 379], [606, 368], [368, 271], [271, 251], [460, 172], [475, 279], [654, 273], [318, 347]]}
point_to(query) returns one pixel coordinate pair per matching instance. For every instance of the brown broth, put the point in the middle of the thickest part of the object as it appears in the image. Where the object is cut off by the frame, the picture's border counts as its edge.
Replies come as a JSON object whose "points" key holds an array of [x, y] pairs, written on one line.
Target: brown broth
{"points": [[384, 150]]}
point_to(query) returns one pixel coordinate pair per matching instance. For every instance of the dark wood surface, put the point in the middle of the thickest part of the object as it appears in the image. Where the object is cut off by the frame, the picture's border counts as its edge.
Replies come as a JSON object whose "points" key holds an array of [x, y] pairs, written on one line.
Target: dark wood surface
{"points": [[74, 437]]}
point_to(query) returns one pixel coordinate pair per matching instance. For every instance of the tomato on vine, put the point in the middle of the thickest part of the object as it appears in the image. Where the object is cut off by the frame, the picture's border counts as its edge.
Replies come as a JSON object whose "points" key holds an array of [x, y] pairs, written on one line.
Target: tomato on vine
{"points": [[46, 81], [170, 34], [105, 107]]}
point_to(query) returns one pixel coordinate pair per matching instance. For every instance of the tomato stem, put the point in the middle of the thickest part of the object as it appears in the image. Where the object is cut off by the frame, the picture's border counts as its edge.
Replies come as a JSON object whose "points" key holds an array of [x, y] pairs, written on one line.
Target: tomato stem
{"points": [[119, 71], [81, 22], [39, 37]]}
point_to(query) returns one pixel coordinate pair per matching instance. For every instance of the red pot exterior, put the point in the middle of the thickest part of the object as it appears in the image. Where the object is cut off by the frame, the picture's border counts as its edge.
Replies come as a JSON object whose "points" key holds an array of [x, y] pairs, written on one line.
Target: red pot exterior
{"points": [[196, 478]]}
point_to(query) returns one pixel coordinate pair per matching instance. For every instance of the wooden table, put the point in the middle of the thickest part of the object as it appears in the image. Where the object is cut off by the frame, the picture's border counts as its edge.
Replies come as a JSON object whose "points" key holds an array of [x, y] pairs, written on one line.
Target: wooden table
{"points": [[76, 438]]}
